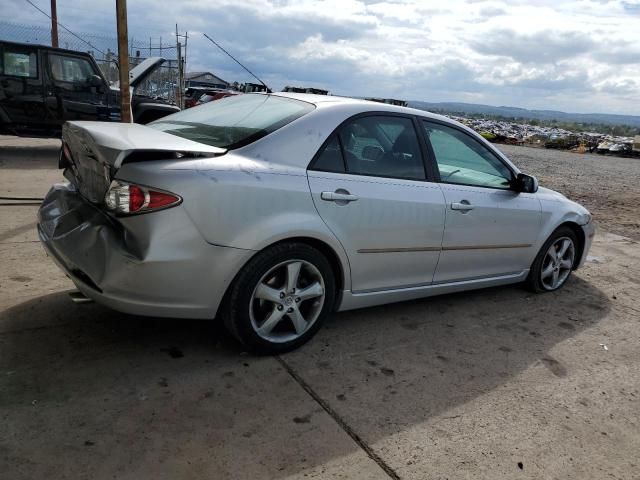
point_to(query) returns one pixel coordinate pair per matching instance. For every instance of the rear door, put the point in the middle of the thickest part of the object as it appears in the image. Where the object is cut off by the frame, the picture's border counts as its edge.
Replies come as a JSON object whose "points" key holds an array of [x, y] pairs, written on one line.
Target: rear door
{"points": [[370, 187], [21, 90], [71, 95], [490, 229]]}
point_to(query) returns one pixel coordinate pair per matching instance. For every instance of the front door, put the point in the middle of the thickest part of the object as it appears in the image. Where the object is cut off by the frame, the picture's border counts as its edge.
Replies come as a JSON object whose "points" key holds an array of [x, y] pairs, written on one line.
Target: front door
{"points": [[490, 229], [71, 94], [369, 185]]}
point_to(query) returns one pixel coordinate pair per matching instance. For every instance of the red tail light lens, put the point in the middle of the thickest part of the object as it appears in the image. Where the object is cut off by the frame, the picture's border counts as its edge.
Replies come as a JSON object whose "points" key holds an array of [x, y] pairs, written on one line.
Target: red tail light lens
{"points": [[128, 198], [160, 199], [66, 159], [136, 198]]}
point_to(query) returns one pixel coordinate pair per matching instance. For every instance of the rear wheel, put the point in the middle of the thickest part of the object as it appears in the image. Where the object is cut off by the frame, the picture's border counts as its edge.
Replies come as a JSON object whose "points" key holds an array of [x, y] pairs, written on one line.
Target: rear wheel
{"points": [[280, 298], [555, 261]]}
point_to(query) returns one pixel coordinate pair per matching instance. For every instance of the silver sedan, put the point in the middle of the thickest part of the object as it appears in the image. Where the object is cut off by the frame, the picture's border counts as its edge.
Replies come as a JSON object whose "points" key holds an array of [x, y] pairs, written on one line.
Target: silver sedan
{"points": [[270, 212]]}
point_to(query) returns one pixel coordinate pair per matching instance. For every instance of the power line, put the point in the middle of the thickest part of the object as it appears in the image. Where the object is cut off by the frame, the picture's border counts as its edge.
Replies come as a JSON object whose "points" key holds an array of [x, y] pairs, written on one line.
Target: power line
{"points": [[65, 28], [235, 60]]}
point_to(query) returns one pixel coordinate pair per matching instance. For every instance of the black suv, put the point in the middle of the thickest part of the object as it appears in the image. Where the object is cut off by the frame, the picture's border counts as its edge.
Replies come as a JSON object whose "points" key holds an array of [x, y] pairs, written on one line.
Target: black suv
{"points": [[42, 87]]}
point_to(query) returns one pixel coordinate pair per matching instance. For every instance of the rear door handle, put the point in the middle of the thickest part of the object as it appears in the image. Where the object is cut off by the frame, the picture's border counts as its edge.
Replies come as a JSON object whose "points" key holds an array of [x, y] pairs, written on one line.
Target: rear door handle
{"points": [[339, 196], [464, 205]]}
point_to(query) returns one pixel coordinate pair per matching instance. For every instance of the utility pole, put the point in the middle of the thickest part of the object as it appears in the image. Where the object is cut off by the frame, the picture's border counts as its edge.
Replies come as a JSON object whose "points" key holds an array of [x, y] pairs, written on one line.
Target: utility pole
{"points": [[54, 24], [180, 83], [181, 64], [123, 61]]}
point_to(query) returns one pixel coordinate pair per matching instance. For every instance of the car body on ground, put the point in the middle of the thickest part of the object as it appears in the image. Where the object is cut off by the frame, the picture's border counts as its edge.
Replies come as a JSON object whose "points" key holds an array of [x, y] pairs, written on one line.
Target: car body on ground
{"points": [[194, 95], [210, 97], [271, 211], [42, 87]]}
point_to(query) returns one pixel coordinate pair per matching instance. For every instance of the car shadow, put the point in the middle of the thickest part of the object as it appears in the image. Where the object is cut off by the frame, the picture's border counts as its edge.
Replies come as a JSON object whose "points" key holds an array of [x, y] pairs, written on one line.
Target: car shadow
{"points": [[30, 158], [381, 370], [467, 342]]}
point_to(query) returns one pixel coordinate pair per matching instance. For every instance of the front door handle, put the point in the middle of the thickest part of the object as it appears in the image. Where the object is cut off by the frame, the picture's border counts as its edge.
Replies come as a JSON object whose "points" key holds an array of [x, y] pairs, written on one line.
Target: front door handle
{"points": [[464, 205], [339, 196]]}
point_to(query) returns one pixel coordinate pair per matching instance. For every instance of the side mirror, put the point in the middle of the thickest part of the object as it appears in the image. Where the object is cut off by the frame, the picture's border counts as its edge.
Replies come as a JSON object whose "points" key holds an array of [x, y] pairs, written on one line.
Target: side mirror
{"points": [[95, 81], [526, 183]]}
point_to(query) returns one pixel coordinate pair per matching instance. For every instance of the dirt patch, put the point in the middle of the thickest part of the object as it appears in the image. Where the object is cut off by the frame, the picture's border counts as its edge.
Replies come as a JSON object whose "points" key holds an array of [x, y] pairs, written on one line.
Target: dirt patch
{"points": [[606, 185]]}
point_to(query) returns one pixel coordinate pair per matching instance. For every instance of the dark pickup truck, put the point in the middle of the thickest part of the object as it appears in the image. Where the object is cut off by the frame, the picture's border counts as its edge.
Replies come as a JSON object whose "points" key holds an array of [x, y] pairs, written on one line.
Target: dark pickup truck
{"points": [[42, 87]]}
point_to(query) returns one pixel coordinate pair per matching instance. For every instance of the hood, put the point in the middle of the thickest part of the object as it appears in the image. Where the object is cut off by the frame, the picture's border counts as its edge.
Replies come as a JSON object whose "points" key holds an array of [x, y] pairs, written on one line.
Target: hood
{"points": [[140, 72], [550, 193]]}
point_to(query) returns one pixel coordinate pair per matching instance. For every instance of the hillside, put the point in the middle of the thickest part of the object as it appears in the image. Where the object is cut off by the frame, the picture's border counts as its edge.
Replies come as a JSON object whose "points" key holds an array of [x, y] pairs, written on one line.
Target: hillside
{"points": [[547, 115]]}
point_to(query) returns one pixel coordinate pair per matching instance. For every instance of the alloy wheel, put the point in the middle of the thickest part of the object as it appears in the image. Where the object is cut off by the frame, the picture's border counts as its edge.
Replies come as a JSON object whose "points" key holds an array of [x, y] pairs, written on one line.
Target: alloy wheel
{"points": [[557, 263], [287, 301]]}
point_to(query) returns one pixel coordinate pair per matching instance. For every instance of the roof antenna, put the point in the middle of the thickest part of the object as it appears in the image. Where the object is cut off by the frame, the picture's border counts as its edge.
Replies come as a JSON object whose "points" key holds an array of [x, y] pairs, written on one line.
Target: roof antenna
{"points": [[235, 60]]}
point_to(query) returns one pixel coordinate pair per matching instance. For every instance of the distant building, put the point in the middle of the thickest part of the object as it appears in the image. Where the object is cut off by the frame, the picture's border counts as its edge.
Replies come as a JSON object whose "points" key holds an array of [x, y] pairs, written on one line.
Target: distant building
{"points": [[204, 79], [315, 91], [391, 101], [636, 143]]}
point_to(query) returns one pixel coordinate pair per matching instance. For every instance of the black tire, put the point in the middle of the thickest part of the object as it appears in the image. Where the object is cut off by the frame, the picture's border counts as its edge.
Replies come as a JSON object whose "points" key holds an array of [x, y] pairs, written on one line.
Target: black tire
{"points": [[238, 300], [534, 280]]}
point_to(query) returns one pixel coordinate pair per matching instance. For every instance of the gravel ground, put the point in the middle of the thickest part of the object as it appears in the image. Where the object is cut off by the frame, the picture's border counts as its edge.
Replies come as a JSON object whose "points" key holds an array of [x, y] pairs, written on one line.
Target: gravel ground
{"points": [[608, 186]]}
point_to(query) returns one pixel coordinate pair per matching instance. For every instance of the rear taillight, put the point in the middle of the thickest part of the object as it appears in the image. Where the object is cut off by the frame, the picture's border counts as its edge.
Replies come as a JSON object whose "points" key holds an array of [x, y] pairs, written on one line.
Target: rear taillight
{"points": [[66, 159], [128, 198]]}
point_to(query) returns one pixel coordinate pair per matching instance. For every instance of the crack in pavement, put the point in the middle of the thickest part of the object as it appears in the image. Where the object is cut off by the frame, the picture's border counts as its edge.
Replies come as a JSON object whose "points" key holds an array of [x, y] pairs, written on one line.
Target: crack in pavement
{"points": [[19, 242], [339, 420]]}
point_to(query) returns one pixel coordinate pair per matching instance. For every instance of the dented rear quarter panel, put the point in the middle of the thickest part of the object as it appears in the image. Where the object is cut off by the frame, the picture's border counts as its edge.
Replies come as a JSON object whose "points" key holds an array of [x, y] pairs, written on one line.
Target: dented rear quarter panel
{"points": [[241, 203]]}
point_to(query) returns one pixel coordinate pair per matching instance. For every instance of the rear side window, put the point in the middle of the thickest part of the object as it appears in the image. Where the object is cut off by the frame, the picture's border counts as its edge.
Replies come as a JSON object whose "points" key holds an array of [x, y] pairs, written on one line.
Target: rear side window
{"points": [[233, 122], [330, 159], [375, 145], [19, 63]]}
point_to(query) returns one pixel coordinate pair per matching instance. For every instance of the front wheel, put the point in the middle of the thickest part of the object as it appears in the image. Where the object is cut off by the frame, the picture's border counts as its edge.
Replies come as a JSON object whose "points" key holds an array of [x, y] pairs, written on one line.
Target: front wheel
{"points": [[280, 298], [555, 261]]}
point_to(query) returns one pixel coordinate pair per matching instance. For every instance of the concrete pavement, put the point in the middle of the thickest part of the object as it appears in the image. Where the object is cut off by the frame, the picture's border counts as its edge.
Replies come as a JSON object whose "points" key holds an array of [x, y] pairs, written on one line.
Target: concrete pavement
{"points": [[494, 384]]}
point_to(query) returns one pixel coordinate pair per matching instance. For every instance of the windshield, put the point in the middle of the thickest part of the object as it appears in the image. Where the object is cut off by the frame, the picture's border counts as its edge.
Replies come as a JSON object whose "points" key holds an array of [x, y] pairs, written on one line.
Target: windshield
{"points": [[233, 122]]}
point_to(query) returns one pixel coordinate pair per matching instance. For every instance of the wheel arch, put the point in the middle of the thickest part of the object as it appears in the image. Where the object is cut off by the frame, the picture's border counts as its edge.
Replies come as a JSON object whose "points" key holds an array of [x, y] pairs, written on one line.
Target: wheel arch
{"points": [[579, 233], [340, 271], [332, 257]]}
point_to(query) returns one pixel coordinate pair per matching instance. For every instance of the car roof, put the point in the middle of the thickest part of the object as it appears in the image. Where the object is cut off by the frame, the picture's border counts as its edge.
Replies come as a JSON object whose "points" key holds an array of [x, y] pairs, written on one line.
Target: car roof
{"points": [[43, 47], [336, 109], [324, 101]]}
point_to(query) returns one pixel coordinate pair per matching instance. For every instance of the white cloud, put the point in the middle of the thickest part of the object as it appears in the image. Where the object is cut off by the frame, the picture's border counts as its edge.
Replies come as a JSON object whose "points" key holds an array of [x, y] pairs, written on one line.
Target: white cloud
{"points": [[579, 55]]}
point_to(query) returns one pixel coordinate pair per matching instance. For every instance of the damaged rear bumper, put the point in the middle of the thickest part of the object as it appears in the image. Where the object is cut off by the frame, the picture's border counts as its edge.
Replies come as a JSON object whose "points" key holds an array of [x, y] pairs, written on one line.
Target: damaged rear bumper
{"points": [[156, 264]]}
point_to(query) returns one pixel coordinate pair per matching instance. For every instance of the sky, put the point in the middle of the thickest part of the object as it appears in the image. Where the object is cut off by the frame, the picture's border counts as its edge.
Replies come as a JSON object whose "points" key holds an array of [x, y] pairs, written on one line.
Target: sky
{"points": [[575, 56]]}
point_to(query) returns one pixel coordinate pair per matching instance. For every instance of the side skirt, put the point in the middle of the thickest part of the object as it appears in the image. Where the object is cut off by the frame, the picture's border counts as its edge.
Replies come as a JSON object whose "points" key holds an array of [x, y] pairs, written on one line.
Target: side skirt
{"points": [[352, 300]]}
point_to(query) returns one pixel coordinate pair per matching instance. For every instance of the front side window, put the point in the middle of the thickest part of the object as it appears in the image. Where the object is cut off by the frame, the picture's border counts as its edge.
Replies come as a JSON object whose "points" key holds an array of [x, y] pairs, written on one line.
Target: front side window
{"points": [[234, 121], [19, 63], [463, 160], [70, 69], [376, 145]]}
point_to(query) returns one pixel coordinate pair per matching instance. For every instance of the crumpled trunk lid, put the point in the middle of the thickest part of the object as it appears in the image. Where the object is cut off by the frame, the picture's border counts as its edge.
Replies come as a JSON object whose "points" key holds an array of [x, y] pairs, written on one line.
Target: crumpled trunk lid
{"points": [[98, 150]]}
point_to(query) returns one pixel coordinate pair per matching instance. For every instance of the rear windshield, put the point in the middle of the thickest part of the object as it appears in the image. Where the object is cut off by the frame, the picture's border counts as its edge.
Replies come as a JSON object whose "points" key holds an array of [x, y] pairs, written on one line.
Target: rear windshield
{"points": [[233, 122]]}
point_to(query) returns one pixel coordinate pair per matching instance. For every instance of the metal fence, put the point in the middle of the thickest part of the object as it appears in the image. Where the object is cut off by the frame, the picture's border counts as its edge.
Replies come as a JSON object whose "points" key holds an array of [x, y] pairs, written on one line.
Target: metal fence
{"points": [[162, 83]]}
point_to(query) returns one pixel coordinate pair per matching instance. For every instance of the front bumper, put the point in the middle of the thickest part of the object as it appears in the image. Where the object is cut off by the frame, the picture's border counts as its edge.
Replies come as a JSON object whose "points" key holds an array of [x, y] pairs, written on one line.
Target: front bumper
{"points": [[589, 232], [155, 264]]}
